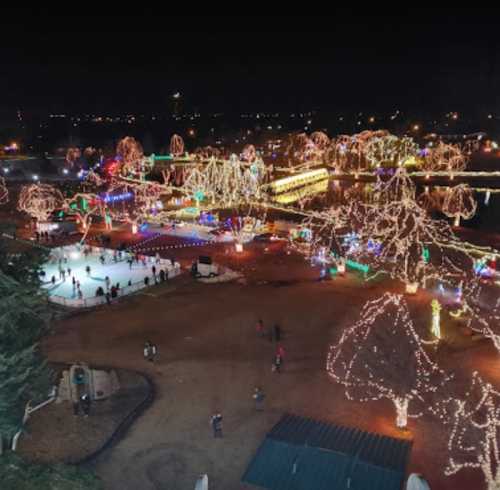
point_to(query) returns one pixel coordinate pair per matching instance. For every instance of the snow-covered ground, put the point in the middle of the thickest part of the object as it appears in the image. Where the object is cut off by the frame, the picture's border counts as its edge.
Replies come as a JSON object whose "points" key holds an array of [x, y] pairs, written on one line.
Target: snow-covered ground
{"points": [[73, 258]]}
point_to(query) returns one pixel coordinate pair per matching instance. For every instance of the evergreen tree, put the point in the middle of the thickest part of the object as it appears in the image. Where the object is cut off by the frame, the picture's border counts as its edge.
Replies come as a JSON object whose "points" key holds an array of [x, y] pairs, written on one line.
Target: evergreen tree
{"points": [[24, 375]]}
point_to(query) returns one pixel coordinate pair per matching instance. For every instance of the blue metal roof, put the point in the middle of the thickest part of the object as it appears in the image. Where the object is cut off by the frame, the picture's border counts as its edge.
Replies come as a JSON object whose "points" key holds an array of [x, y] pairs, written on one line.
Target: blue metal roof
{"points": [[304, 454]]}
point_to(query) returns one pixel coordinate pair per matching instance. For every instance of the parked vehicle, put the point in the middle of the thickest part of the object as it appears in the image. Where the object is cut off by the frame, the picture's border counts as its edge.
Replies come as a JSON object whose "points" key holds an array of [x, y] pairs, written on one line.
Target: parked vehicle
{"points": [[204, 267]]}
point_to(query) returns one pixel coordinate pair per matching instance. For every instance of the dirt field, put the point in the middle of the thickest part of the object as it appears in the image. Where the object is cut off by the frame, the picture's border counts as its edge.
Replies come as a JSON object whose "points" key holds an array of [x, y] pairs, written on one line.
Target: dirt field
{"points": [[211, 359]]}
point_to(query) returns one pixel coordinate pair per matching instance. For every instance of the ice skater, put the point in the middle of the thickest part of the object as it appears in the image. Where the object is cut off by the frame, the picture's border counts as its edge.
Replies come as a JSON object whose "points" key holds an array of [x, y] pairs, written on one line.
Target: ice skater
{"points": [[107, 281], [87, 270]]}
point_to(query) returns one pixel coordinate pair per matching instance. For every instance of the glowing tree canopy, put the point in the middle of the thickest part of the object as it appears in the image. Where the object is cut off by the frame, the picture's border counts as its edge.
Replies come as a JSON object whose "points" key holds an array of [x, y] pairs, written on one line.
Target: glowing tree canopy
{"points": [[473, 441], [381, 356], [226, 183], [72, 156], [85, 206], [345, 154], [444, 158], [300, 150], [459, 202], [321, 142], [176, 146], [405, 234], [481, 309], [249, 154], [4, 192], [207, 152], [131, 154], [39, 200], [389, 150]]}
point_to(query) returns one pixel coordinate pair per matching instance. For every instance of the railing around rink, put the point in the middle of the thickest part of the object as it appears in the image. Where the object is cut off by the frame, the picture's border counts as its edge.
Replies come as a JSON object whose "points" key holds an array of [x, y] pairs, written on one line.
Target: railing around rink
{"points": [[120, 293]]}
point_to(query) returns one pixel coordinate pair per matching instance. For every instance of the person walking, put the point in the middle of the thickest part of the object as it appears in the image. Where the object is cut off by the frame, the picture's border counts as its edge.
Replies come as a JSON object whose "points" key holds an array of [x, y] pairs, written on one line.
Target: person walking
{"points": [[259, 397], [276, 334], [259, 328], [278, 361], [150, 351], [85, 404], [216, 423], [280, 351]]}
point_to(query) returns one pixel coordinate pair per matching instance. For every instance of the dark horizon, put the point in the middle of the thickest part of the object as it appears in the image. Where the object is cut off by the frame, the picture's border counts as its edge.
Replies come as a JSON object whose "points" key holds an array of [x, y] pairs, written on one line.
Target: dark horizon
{"points": [[429, 60]]}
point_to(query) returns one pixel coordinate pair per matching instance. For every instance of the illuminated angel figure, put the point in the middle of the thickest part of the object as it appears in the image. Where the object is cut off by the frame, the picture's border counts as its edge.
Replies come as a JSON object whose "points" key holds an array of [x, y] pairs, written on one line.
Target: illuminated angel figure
{"points": [[473, 441], [4, 191], [382, 356], [459, 202], [176, 146], [444, 158], [39, 200], [131, 154]]}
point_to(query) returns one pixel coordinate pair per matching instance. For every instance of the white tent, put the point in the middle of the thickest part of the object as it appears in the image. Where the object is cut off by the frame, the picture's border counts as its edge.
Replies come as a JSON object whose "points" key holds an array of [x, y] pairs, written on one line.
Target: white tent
{"points": [[417, 482], [202, 483]]}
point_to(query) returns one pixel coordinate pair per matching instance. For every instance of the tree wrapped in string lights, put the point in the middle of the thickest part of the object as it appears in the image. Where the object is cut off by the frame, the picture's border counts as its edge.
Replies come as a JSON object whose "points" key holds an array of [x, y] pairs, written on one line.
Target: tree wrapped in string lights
{"points": [[346, 154], [85, 206], [473, 440], [300, 150], [405, 234], [39, 200], [382, 356], [72, 156], [131, 155], [389, 150], [249, 154], [459, 203], [4, 192], [176, 146], [444, 158], [226, 183]]}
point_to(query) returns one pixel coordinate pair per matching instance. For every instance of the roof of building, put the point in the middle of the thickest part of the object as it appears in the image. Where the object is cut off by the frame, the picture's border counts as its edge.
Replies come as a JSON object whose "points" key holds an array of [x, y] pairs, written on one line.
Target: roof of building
{"points": [[304, 454]]}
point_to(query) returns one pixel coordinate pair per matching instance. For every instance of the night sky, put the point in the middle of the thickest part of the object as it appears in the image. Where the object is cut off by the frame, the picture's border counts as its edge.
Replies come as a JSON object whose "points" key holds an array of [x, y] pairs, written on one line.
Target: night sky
{"points": [[424, 60]]}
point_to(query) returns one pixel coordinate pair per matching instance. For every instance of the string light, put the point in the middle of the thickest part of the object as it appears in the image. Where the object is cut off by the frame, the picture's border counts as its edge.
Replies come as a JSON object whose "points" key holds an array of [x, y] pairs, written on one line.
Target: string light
{"points": [[39, 200], [4, 192], [473, 440], [459, 203], [382, 356]]}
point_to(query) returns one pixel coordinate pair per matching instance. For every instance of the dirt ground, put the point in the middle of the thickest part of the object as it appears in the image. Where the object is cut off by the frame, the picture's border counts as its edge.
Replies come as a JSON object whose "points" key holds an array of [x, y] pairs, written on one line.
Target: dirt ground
{"points": [[211, 359], [54, 434]]}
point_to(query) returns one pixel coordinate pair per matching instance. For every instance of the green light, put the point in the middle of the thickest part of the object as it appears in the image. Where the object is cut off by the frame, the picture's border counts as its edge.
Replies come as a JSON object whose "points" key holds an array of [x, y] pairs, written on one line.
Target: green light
{"points": [[426, 255], [159, 158], [357, 266]]}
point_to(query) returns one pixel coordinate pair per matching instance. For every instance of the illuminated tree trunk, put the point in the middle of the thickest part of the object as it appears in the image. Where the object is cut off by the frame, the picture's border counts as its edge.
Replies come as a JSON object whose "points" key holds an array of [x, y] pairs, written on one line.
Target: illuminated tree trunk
{"points": [[457, 220], [401, 405]]}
